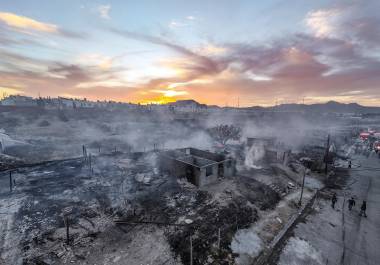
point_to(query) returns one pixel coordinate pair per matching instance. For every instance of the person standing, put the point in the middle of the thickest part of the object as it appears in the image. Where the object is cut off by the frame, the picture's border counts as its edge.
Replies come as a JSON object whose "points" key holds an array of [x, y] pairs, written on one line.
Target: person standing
{"points": [[351, 203], [363, 209], [334, 199]]}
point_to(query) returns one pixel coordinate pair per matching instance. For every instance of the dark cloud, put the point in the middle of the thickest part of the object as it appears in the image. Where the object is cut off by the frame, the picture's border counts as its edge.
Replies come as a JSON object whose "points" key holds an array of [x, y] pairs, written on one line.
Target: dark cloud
{"points": [[74, 34], [34, 76], [72, 72], [199, 64]]}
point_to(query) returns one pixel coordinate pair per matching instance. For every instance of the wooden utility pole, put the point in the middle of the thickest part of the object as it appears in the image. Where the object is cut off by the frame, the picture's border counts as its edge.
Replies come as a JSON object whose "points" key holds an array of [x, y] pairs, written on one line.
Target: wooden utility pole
{"points": [[10, 181], [66, 220], [84, 151], [303, 185], [191, 250], [327, 153], [219, 239]]}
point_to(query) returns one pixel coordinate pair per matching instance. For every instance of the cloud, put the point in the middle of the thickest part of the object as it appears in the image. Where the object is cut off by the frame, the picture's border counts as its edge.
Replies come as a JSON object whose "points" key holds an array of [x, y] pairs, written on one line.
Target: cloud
{"points": [[7, 40], [211, 49], [33, 75], [322, 22], [176, 24], [199, 65], [71, 72], [324, 63], [184, 22], [337, 57], [25, 23], [31, 26], [356, 22], [170, 92], [5, 91], [104, 11]]}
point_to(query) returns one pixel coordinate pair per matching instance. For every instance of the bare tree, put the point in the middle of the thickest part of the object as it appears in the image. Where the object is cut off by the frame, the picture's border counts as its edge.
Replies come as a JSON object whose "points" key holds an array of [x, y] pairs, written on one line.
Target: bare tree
{"points": [[223, 133]]}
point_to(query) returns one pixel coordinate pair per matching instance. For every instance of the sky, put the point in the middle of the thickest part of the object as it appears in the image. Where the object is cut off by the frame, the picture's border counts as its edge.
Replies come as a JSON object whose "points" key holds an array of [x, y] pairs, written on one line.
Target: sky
{"points": [[218, 52]]}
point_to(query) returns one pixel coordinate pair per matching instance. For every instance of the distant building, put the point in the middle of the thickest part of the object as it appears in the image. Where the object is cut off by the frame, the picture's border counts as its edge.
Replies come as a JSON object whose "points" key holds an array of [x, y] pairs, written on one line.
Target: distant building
{"points": [[21, 101], [187, 106]]}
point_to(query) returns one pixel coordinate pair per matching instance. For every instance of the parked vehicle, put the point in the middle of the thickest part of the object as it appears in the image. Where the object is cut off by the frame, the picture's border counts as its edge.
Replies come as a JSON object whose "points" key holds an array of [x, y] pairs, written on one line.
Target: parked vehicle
{"points": [[376, 146]]}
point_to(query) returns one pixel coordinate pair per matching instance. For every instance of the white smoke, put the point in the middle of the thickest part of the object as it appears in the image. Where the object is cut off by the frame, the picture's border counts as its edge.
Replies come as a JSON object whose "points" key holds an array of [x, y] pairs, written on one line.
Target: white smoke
{"points": [[253, 155]]}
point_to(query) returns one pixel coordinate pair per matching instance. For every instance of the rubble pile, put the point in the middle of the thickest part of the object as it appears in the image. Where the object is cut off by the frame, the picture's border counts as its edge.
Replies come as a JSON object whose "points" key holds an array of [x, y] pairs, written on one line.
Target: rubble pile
{"points": [[8, 162], [126, 192]]}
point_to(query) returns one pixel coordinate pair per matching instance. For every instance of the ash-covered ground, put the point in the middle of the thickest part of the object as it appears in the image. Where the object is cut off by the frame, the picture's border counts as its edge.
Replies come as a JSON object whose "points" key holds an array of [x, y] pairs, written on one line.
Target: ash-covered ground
{"points": [[119, 207], [126, 189]]}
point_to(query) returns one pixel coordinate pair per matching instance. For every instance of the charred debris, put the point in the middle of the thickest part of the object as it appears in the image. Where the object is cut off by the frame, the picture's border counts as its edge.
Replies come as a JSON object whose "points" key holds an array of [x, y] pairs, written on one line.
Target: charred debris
{"points": [[191, 201]]}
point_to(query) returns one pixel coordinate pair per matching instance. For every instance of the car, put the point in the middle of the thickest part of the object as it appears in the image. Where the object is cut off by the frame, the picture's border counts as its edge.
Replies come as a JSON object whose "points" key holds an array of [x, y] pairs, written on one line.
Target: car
{"points": [[364, 135], [376, 146]]}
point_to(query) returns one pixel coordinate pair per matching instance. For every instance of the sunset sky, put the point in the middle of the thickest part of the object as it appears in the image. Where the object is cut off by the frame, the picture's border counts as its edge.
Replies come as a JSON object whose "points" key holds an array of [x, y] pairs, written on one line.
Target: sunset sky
{"points": [[217, 52]]}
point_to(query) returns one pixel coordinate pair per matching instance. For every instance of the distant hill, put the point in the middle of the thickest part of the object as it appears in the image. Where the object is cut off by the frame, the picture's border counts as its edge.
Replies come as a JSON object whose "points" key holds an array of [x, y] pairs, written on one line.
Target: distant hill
{"points": [[331, 106]]}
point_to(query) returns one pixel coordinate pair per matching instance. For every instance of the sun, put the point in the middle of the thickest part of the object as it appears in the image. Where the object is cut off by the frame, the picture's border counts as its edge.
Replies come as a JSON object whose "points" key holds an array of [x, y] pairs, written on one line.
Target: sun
{"points": [[161, 100]]}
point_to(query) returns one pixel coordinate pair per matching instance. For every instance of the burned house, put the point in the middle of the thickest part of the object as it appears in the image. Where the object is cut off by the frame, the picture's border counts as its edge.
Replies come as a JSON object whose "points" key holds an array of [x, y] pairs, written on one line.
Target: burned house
{"points": [[263, 141], [272, 151], [197, 166]]}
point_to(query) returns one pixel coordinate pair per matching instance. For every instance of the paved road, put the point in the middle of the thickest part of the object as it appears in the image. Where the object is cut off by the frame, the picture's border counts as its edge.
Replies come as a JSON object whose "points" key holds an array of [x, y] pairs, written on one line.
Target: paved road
{"points": [[339, 236]]}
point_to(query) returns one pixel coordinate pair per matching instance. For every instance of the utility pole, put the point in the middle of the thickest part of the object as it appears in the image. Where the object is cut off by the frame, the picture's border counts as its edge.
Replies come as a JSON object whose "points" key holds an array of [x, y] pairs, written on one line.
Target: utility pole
{"points": [[236, 223], [191, 250], [218, 238], [90, 162], [327, 153], [66, 220], [10, 181], [303, 185]]}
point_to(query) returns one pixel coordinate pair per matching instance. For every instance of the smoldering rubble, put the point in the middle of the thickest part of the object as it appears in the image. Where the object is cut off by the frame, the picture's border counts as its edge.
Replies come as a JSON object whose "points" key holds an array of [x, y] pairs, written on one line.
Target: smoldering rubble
{"points": [[91, 188]]}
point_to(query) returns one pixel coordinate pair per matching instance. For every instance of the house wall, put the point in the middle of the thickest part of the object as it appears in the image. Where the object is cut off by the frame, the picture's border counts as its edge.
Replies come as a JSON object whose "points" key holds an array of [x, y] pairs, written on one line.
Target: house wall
{"points": [[205, 154], [204, 180], [228, 168], [180, 169], [266, 141], [173, 166], [286, 157], [270, 156]]}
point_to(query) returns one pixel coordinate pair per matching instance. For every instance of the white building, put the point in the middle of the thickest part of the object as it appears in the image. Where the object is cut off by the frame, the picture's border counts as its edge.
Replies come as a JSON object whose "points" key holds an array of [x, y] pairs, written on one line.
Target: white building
{"points": [[19, 101]]}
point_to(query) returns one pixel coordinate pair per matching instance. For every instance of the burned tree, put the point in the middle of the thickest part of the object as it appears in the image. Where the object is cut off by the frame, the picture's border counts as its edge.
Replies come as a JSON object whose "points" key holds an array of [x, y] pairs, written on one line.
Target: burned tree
{"points": [[223, 133]]}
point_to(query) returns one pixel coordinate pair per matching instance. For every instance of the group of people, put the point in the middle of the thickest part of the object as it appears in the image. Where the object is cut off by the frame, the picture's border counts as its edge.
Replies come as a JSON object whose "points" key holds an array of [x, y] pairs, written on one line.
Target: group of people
{"points": [[351, 204]]}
